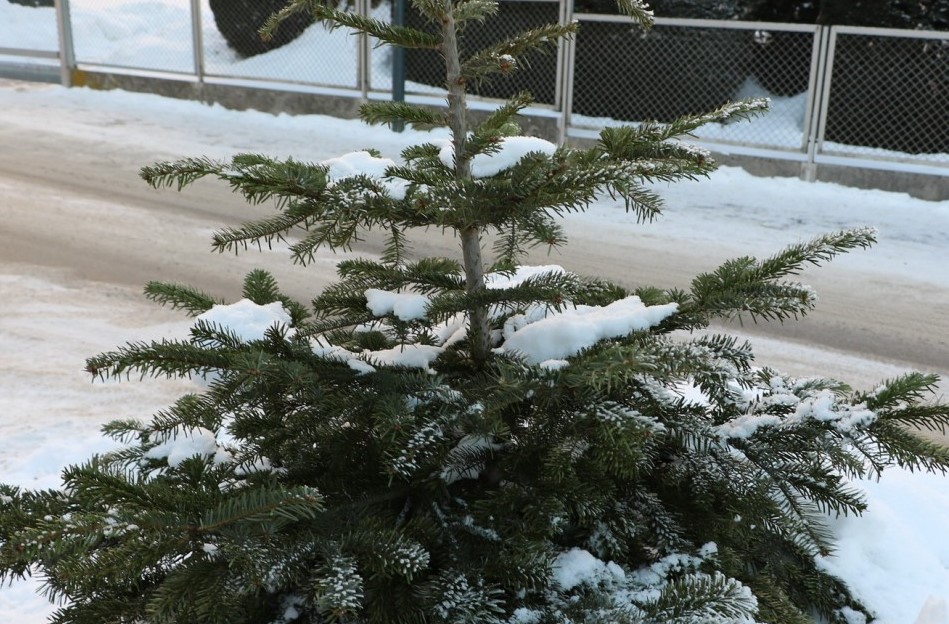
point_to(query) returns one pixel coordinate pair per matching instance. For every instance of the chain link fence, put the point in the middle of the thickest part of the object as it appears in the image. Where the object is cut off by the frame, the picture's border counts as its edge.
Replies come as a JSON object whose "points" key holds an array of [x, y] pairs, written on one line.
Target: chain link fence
{"points": [[154, 35], [624, 73], [853, 93], [682, 67], [28, 26], [889, 92], [29, 40], [299, 52]]}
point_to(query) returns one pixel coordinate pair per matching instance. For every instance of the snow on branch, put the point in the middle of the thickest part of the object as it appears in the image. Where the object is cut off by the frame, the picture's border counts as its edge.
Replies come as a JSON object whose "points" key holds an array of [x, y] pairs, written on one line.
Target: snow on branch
{"points": [[249, 320], [505, 154], [543, 334], [364, 163]]}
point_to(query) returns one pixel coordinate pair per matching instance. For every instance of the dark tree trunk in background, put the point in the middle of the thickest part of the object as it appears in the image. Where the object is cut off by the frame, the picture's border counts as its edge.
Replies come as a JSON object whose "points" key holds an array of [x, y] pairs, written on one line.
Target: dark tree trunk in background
{"points": [[240, 20], [874, 13], [33, 3]]}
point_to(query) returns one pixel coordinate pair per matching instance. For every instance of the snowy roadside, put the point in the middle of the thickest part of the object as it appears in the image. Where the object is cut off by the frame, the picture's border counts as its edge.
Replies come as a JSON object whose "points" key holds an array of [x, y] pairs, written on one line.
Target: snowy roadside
{"points": [[884, 304]]}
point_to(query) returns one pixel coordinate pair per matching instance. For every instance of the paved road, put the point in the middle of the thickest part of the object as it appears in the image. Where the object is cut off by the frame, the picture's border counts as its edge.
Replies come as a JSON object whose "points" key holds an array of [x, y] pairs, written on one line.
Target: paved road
{"points": [[72, 203]]}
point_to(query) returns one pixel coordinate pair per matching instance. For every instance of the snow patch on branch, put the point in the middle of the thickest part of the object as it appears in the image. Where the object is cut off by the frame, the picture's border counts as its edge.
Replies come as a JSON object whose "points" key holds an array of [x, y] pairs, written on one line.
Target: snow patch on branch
{"points": [[509, 151], [198, 442], [823, 405], [732, 108], [405, 306], [363, 163], [407, 355], [578, 567], [544, 334], [746, 425], [410, 306], [693, 150], [521, 275], [249, 320], [577, 570]]}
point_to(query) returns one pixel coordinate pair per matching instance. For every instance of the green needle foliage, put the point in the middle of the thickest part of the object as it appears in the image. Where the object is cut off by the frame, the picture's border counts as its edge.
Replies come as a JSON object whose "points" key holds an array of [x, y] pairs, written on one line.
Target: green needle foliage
{"points": [[397, 452]]}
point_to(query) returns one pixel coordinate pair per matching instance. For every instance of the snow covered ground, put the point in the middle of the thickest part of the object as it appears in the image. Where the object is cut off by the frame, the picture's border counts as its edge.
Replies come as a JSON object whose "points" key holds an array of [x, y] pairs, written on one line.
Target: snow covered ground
{"points": [[896, 557], [55, 311]]}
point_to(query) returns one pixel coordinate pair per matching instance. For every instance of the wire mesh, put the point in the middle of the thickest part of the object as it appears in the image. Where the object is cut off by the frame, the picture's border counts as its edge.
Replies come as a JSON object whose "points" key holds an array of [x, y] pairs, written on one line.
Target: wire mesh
{"points": [[300, 51], [29, 41], [28, 25], [884, 97], [889, 94], [623, 73], [425, 71], [138, 34]]}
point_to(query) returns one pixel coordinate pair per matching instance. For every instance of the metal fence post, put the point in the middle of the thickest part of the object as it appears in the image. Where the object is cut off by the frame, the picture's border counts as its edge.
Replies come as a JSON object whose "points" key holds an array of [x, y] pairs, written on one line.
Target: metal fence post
{"points": [[565, 62], [197, 40], [828, 75], [363, 53], [815, 103], [398, 63], [67, 53]]}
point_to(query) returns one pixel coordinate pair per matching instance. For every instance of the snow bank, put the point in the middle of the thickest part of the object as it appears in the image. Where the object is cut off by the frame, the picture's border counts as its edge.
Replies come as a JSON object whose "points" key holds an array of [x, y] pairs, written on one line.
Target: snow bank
{"points": [[895, 557]]}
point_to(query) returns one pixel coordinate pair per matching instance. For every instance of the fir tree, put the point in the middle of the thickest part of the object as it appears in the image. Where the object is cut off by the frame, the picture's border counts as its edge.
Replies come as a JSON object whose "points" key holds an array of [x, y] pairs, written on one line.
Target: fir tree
{"points": [[467, 440]]}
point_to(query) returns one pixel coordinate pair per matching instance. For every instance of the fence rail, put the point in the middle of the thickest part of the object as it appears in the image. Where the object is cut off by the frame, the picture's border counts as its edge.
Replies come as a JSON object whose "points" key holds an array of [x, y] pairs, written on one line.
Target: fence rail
{"points": [[866, 97]]}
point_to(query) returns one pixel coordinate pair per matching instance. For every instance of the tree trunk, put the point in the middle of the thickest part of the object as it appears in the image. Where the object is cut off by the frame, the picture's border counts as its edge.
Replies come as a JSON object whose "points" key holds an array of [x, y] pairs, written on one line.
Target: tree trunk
{"points": [[478, 322]]}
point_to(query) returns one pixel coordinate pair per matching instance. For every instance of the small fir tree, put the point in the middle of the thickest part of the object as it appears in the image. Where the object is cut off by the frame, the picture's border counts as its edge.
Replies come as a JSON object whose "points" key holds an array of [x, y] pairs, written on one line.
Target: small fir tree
{"points": [[467, 440]]}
